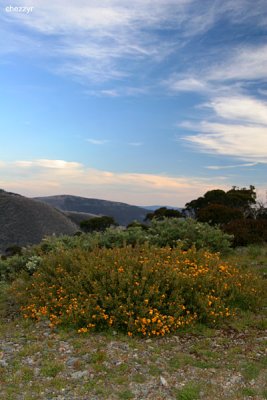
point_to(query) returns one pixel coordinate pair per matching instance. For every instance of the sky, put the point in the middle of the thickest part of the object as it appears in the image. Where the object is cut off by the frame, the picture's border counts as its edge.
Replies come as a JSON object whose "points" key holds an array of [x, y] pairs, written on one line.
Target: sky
{"points": [[143, 101]]}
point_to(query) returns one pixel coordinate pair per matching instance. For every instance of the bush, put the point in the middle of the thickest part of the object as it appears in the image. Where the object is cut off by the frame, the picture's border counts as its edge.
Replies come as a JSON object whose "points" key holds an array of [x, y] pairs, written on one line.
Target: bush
{"points": [[170, 232], [11, 266], [247, 231], [145, 290]]}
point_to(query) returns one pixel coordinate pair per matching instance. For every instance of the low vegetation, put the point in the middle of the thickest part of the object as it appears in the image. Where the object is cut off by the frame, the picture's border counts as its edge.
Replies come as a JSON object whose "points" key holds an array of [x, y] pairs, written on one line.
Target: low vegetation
{"points": [[144, 290], [156, 311]]}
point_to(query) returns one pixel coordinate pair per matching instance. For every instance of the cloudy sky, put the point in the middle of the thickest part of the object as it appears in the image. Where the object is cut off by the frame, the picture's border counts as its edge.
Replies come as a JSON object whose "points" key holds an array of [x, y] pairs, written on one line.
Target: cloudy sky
{"points": [[144, 102]]}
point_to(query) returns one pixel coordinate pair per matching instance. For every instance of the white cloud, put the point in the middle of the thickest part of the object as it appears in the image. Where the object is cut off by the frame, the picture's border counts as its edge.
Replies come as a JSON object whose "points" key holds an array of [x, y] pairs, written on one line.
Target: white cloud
{"points": [[239, 130], [240, 108], [44, 163], [240, 141], [218, 167], [189, 84]]}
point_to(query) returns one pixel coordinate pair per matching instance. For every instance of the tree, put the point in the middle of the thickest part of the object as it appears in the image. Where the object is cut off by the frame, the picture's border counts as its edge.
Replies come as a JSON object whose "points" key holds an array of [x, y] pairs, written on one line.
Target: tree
{"points": [[241, 200], [218, 214], [163, 212], [99, 224]]}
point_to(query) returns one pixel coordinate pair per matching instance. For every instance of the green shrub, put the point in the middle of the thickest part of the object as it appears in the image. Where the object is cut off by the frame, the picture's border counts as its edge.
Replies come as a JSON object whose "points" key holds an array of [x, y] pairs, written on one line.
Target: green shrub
{"points": [[10, 267], [169, 232], [144, 290]]}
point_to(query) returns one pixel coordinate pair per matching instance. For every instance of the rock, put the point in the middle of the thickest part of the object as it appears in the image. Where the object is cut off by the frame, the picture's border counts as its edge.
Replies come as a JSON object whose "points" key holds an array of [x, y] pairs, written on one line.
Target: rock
{"points": [[3, 363], [79, 374], [71, 361], [163, 381]]}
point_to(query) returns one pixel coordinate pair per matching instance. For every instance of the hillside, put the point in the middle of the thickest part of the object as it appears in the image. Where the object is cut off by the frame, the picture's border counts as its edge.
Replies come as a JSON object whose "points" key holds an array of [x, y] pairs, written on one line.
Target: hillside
{"points": [[26, 221], [122, 213], [78, 217]]}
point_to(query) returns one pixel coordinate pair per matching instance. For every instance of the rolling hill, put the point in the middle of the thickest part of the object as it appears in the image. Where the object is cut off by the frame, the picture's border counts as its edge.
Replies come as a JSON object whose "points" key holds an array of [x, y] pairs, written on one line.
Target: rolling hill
{"points": [[122, 213], [26, 221]]}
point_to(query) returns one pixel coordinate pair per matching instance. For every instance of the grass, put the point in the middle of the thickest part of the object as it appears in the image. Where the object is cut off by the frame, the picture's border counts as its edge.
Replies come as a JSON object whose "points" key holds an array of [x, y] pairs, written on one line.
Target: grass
{"points": [[190, 391], [51, 368], [250, 371], [125, 395]]}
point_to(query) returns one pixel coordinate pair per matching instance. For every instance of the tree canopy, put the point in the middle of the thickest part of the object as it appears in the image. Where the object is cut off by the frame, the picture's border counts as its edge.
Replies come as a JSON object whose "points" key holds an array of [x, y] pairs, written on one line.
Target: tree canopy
{"points": [[163, 212], [97, 224], [218, 206]]}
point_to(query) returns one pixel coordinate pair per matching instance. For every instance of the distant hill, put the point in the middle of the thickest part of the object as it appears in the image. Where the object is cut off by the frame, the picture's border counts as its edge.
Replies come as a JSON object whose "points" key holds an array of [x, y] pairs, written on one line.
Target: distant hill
{"points": [[25, 221], [122, 213]]}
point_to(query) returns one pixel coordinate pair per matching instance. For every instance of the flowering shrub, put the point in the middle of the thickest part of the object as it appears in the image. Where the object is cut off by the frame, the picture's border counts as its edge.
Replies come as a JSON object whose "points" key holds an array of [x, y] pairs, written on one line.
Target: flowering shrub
{"points": [[144, 290]]}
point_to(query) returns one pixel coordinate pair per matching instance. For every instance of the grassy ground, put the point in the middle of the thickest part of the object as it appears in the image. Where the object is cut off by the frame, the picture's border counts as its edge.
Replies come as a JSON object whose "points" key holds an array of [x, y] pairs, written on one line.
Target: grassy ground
{"points": [[226, 363]]}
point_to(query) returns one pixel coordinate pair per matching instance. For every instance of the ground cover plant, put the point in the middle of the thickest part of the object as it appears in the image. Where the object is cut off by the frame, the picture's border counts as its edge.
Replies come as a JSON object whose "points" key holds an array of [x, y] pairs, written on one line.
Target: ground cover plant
{"points": [[143, 290]]}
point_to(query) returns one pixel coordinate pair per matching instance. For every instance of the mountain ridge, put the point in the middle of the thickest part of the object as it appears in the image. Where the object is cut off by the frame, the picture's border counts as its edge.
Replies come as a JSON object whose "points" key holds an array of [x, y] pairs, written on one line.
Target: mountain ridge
{"points": [[122, 213]]}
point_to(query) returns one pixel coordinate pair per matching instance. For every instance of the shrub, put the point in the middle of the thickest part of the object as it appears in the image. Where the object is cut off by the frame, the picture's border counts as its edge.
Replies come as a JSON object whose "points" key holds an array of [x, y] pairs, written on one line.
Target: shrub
{"points": [[170, 232], [145, 290], [10, 267], [247, 231]]}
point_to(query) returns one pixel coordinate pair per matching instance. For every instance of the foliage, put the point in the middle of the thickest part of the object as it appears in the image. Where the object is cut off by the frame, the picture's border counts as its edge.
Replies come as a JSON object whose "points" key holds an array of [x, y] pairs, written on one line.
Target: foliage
{"points": [[11, 266], [137, 224], [97, 224], [167, 232], [247, 231], [242, 199], [236, 212], [145, 290], [163, 212], [218, 214], [191, 233], [12, 250]]}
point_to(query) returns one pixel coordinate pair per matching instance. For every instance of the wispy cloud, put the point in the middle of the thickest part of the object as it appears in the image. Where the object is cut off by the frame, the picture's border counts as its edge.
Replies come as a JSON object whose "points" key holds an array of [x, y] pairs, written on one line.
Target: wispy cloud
{"points": [[243, 63], [230, 71], [218, 167], [51, 164], [107, 40], [246, 140], [136, 144], [97, 141], [93, 40]]}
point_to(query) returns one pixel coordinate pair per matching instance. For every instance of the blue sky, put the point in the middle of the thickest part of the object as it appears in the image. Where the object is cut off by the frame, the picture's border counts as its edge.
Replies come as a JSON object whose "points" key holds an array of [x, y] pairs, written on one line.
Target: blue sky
{"points": [[144, 102]]}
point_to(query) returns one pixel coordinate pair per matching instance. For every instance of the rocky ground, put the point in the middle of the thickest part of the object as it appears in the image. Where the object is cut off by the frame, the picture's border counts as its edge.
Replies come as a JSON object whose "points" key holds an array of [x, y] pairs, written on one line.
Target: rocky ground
{"points": [[37, 363]]}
